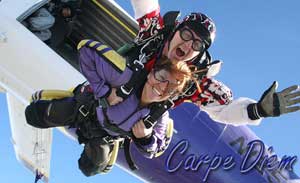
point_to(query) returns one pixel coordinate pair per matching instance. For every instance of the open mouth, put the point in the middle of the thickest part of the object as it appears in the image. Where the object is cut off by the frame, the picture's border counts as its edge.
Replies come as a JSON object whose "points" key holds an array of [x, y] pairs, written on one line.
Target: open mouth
{"points": [[179, 52]]}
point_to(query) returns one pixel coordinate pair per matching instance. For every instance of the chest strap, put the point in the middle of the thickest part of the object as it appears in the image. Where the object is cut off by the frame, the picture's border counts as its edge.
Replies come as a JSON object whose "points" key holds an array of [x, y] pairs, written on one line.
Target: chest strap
{"points": [[139, 74], [156, 111]]}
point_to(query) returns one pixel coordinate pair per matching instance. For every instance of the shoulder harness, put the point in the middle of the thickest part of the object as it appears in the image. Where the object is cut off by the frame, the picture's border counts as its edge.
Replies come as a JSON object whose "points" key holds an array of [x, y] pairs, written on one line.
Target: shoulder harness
{"points": [[111, 56]]}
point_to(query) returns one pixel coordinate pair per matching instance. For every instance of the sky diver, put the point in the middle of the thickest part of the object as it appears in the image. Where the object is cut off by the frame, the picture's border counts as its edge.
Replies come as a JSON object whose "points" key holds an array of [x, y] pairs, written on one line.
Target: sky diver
{"points": [[188, 40], [99, 119]]}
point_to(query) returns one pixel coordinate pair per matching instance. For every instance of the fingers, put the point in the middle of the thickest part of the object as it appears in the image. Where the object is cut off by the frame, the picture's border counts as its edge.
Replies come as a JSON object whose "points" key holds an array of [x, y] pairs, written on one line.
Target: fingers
{"points": [[139, 130], [116, 100], [113, 99], [140, 125], [292, 109], [293, 95], [136, 126], [135, 130], [288, 90], [293, 102], [291, 98]]}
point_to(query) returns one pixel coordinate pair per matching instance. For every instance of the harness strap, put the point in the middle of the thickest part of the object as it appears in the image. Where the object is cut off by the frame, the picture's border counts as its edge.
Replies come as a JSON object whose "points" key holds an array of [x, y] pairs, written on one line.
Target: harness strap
{"points": [[88, 127], [127, 153], [127, 135], [86, 122], [156, 111], [85, 118], [139, 74]]}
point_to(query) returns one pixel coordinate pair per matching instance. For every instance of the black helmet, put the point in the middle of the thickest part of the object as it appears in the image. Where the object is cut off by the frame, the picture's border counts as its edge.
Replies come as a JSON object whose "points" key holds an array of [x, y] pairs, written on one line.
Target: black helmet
{"points": [[202, 25]]}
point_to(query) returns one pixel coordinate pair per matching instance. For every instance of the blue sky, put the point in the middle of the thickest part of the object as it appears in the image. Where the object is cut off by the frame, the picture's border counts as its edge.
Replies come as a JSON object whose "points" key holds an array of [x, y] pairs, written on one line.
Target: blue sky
{"points": [[258, 41]]}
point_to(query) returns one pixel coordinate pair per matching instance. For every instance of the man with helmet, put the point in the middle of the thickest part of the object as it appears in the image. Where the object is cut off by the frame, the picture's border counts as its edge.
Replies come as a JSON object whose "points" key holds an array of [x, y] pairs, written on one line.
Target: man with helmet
{"points": [[189, 40]]}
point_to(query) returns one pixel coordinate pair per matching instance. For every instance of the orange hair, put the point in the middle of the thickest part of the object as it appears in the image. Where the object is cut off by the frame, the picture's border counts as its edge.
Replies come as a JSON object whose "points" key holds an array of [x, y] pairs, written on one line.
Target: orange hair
{"points": [[178, 69]]}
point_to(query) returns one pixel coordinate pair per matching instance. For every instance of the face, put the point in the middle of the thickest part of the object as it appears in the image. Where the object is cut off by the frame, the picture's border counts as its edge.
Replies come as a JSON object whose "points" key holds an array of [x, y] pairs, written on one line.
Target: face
{"points": [[160, 86], [183, 46], [66, 12]]}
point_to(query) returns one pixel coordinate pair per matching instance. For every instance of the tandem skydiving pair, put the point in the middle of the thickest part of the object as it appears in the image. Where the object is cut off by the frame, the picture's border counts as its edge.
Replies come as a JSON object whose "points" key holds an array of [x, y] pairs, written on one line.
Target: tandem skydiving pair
{"points": [[103, 120], [129, 99]]}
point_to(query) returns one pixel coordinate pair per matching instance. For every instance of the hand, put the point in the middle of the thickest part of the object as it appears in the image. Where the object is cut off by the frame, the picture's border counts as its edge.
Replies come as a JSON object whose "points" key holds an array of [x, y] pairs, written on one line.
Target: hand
{"points": [[140, 131], [113, 99], [274, 103]]}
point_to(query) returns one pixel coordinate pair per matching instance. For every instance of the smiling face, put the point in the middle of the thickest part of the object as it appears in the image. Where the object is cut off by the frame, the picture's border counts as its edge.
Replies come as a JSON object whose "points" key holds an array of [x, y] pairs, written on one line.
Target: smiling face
{"points": [[179, 49], [164, 82], [160, 86]]}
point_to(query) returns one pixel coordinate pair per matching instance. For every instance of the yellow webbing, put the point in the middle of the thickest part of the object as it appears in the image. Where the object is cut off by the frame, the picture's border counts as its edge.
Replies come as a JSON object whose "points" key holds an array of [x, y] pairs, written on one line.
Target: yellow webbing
{"points": [[113, 157], [50, 94], [111, 55]]}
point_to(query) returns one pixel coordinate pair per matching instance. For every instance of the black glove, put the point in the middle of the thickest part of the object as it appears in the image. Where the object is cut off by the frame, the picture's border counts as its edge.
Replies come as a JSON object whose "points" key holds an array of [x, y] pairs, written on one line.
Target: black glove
{"points": [[274, 103]]}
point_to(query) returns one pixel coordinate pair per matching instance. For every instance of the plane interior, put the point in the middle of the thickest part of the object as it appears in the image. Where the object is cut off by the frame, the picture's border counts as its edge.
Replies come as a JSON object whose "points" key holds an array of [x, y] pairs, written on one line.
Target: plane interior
{"points": [[93, 20]]}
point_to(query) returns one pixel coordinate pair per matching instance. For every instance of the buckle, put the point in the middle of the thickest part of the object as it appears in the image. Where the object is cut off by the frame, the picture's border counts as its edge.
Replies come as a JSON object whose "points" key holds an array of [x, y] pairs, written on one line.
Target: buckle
{"points": [[125, 90], [148, 122], [108, 139], [170, 104], [140, 61], [83, 111]]}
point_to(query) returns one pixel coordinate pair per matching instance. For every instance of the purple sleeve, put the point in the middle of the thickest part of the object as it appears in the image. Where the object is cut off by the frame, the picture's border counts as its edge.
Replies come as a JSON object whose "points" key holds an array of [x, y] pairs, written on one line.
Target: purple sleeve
{"points": [[157, 142], [97, 71]]}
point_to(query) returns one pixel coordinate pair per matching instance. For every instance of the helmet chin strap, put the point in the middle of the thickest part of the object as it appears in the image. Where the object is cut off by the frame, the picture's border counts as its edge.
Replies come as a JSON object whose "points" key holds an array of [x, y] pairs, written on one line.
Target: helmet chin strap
{"points": [[167, 48], [170, 38]]}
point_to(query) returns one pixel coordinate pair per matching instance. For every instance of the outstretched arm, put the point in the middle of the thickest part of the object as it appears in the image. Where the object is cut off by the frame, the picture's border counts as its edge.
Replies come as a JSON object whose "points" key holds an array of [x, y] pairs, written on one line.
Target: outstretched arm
{"points": [[143, 7], [234, 113], [147, 14], [274, 103], [218, 102]]}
